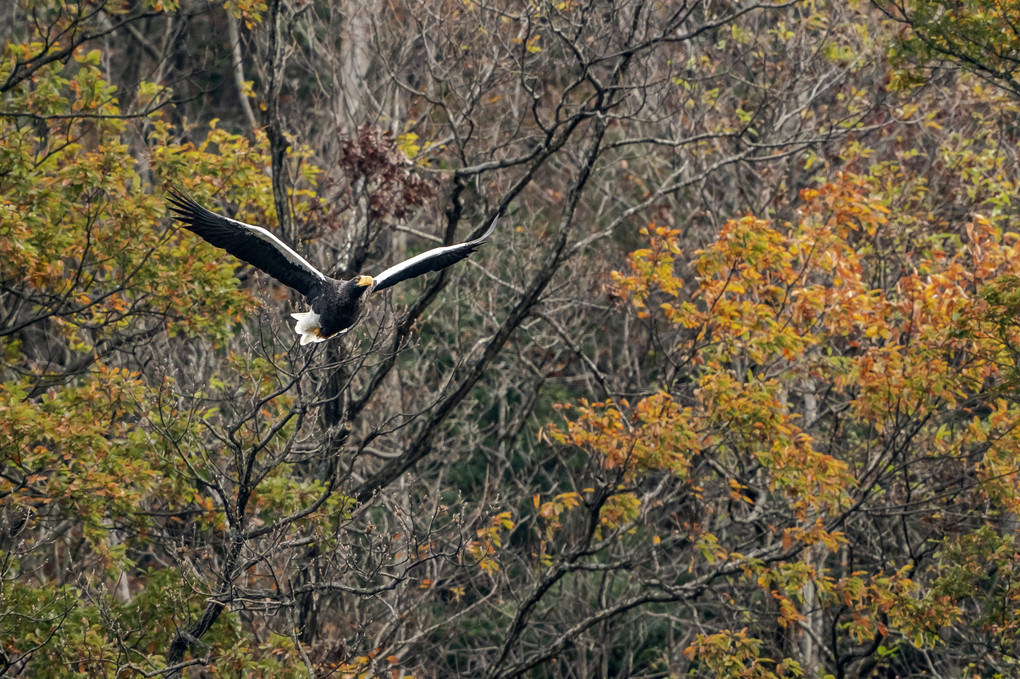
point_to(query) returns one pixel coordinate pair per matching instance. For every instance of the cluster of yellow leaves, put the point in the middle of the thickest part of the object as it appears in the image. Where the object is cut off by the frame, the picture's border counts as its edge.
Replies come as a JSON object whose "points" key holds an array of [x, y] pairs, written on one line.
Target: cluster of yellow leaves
{"points": [[653, 437], [281, 655], [360, 667], [490, 538], [878, 601], [874, 602], [248, 10], [549, 512], [734, 654]]}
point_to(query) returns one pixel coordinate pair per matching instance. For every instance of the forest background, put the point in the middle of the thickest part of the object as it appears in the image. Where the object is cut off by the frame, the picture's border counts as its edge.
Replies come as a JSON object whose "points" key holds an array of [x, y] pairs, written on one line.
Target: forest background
{"points": [[731, 392]]}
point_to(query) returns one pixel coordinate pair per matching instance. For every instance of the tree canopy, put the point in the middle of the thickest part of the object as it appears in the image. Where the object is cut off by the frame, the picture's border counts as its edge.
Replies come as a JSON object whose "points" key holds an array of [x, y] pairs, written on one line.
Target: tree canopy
{"points": [[732, 391]]}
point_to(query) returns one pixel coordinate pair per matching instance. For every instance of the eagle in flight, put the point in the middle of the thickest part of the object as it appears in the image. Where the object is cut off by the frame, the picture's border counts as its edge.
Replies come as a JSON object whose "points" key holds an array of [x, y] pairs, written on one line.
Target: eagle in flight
{"points": [[336, 305]]}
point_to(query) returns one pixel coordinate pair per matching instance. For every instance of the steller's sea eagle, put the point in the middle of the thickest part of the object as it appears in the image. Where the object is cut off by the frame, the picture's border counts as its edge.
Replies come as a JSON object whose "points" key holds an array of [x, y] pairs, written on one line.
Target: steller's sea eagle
{"points": [[336, 305]]}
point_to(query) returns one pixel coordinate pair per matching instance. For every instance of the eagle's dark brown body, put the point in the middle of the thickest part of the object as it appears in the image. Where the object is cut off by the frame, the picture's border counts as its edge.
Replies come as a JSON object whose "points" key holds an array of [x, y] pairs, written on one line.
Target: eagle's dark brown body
{"points": [[339, 305]]}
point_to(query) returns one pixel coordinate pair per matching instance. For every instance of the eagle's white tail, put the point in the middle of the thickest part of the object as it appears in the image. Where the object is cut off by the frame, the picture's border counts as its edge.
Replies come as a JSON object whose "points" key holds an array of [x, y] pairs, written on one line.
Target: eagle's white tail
{"points": [[308, 327]]}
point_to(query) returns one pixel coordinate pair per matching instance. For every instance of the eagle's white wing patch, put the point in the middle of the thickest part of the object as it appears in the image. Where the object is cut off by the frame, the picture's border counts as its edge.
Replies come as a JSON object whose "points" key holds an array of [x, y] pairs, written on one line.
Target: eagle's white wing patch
{"points": [[285, 249]]}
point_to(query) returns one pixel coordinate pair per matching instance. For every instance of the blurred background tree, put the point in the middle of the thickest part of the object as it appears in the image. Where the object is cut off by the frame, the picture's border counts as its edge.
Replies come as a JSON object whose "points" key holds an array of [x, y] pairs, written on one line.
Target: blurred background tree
{"points": [[731, 391]]}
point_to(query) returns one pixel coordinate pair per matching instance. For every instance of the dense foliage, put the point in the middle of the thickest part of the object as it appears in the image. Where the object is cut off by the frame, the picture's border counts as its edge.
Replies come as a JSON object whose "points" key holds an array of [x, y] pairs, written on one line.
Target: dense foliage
{"points": [[732, 391]]}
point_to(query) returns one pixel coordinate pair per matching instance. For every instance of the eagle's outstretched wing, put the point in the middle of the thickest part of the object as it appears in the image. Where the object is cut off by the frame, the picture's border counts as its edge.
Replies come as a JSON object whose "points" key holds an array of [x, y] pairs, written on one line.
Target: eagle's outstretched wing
{"points": [[432, 260], [253, 244]]}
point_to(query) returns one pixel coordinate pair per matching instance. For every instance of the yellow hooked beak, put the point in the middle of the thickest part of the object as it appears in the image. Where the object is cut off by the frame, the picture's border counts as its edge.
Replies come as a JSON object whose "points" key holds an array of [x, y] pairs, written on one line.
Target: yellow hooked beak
{"points": [[365, 281]]}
